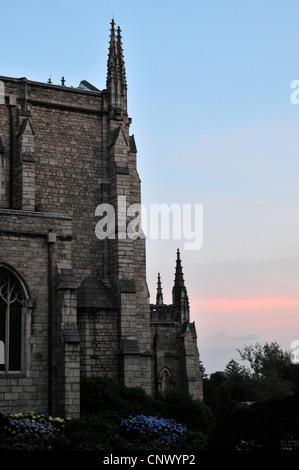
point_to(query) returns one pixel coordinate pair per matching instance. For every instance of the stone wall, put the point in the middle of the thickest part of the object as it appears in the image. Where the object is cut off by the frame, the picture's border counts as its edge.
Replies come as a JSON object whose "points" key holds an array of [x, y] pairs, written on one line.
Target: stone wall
{"points": [[99, 343], [67, 146], [24, 246]]}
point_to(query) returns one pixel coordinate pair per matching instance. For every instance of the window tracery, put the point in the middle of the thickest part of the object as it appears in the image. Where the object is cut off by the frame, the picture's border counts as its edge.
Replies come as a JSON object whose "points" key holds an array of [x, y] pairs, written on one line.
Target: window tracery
{"points": [[12, 297]]}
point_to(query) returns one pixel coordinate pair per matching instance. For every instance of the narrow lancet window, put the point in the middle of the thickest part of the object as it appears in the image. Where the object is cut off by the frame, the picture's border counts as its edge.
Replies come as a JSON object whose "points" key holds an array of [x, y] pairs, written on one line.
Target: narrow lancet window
{"points": [[165, 380]]}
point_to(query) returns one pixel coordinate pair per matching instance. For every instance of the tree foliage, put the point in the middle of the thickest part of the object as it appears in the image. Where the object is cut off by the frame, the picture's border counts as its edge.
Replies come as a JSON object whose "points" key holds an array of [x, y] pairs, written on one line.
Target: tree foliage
{"points": [[268, 360], [266, 372], [256, 401], [270, 370]]}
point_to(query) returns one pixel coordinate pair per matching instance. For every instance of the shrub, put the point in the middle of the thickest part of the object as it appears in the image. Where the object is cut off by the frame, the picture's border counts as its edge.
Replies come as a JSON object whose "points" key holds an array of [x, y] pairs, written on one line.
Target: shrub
{"points": [[107, 403], [30, 431], [23, 429], [152, 429], [192, 413], [100, 394], [93, 430]]}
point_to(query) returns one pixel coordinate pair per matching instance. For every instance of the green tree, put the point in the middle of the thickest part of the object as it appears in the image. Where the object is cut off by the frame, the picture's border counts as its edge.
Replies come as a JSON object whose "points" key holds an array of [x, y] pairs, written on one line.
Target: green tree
{"points": [[268, 378], [238, 382], [270, 370], [224, 390], [267, 360], [235, 369]]}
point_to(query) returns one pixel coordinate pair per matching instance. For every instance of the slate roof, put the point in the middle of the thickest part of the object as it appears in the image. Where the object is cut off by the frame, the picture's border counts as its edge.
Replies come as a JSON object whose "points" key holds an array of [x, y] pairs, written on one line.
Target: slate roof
{"points": [[95, 294], [132, 143], [85, 85], [65, 279], [70, 333]]}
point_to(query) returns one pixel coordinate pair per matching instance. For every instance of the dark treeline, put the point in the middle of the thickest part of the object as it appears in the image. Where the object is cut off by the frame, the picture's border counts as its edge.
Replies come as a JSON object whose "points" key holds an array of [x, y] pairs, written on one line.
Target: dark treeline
{"points": [[256, 406]]}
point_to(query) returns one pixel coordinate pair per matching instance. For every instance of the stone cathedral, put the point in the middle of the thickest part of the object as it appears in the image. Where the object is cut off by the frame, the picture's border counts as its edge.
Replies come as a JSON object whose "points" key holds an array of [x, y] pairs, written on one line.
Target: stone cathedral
{"points": [[73, 304]]}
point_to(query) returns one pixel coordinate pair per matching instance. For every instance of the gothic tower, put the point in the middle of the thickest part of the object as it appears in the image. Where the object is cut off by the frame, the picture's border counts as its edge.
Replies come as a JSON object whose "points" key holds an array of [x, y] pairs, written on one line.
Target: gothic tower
{"points": [[176, 357], [126, 253]]}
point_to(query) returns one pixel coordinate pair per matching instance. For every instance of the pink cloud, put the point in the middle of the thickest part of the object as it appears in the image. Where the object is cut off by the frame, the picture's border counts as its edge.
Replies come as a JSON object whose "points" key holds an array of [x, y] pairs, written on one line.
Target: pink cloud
{"points": [[239, 304]]}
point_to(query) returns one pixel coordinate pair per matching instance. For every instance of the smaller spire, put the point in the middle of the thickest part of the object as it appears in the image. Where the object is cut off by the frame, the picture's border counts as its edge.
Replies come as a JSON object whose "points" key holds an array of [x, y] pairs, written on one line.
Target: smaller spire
{"points": [[120, 56], [179, 276], [179, 291], [159, 298]]}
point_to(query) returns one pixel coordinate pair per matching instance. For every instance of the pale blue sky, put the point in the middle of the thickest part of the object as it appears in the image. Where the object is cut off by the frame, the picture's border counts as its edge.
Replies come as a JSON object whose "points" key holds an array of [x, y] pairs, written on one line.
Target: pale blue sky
{"points": [[209, 95]]}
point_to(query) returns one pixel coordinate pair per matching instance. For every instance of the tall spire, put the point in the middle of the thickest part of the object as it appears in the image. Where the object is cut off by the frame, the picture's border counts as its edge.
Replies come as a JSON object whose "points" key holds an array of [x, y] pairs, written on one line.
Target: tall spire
{"points": [[112, 54], [111, 64], [159, 298], [116, 82]]}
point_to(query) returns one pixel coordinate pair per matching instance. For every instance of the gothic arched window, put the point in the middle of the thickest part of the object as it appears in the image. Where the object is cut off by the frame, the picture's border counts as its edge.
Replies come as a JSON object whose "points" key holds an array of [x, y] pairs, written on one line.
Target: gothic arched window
{"points": [[12, 297], [165, 379]]}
